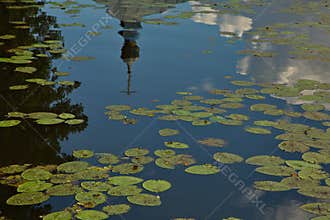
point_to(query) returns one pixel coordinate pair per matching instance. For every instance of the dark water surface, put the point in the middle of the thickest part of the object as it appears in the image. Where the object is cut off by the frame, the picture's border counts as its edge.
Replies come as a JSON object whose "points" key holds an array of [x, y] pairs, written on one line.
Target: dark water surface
{"points": [[136, 63]]}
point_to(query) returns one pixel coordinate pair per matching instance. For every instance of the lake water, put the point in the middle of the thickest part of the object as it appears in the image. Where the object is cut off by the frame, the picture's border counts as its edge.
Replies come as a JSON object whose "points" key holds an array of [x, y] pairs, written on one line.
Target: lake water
{"points": [[141, 54]]}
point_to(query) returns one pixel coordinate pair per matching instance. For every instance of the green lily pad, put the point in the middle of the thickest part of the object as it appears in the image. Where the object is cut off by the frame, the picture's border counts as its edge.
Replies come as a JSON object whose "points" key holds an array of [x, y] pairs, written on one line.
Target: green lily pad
{"points": [[117, 209], [142, 160], [212, 142], [265, 123], [127, 168], [178, 145], [74, 121], [26, 69], [201, 114], [320, 192], [9, 123], [271, 186], [299, 164], [238, 117], [95, 186], [19, 87], [255, 97], [34, 186], [12, 169], [166, 162], [274, 112], [16, 114], [107, 158], [293, 146], [66, 116], [276, 170], [262, 107], [310, 173], [204, 169], [232, 105], [36, 174], [72, 167], [314, 157], [201, 122], [124, 190], [118, 108], [168, 132], [227, 158], [265, 160], [66, 189], [295, 182], [312, 107], [242, 83], [135, 152], [83, 154], [164, 153], [144, 200], [317, 116], [257, 130], [92, 173], [62, 178], [7, 37], [90, 199], [27, 198], [318, 208], [49, 121], [91, 215], [124, 180], [157, 186], [62, 215]]}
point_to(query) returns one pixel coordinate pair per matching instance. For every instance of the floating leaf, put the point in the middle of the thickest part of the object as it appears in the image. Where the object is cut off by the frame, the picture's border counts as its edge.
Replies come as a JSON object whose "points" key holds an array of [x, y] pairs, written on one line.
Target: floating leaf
{"points": [[264, 160], [119, 107], [124, 190], [62, 178], [36, 174], [168, 132], [293, 146], [91, 215], [204, 169], [227, 158], [107, 158], [299, 164], [19, 87], [73, 167], [49, 121], [92, 173], [135, 152], [28, 198], [83, 154], [310, 173], [262, 107], [312, 107], [142, 160], [124, 180], [276, 170], [62, 215], [164, 153], [64, 190], [242, 83], [144, 200], [314, 157], [212, 142], [271, 186], [74, 121], [320, 192], [96, 186], [127, 168], [318, 208], [174, 144], [9, 123], [34, 186], [257, 130], [117, 209], [90, 199], [295, 182], [26, 69], [66, 116], [157, 186], [12, 169]]}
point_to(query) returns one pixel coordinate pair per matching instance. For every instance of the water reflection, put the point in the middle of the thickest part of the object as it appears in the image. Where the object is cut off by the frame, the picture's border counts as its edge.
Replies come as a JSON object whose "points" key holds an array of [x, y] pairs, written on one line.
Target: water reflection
{"points": [[229, 25], [131, 13]]}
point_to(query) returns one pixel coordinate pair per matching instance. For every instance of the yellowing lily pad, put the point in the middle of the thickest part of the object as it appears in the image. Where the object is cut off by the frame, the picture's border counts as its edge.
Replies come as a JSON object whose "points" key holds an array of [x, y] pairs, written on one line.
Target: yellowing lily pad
{"points": [[318, 208], [312, 107], [168, 132], [127, 168], [173, 144], [320, 192], [204, 169], [265, 160], [144, 200], [135, 152], [293, 146], [95, 186], [314, 157], [91, 215], [299, 164], [271, 186], [124, 180], [212, 142], [295, 182], [257, 130], [157, 186], [311, 173], [164, 153], [227, 158], [117, 209], [276, 170]]}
